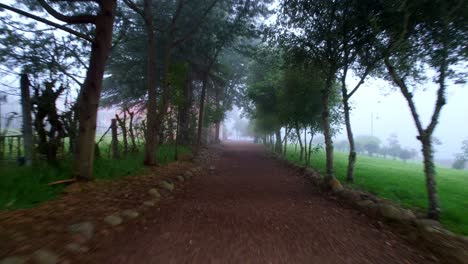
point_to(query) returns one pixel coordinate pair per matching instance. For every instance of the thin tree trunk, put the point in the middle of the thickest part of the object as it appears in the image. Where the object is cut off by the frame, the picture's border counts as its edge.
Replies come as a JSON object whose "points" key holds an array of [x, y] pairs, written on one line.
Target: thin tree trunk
{"points": [[115, 141], [298, 133], [151, 143], [131, 131], [123, 127], [429, 170], [310, 147], [285, 147], [278, 145], [201, 110], [330, 173], [27, 120], [176, 143], [306, 154], [184, 125], [352, 146], [91, 92]]}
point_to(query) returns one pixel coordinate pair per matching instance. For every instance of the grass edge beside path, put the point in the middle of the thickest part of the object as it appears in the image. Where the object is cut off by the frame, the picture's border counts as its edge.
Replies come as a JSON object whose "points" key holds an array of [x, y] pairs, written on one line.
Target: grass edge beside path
{"points": [[403, 183], [25, 187]]}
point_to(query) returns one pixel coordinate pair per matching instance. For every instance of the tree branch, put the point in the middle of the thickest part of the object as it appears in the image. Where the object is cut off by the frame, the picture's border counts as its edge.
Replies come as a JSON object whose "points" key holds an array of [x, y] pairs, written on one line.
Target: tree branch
{"points": [[47, 22], [195, 27], [78, 19], [406, 93], [134, 7]]}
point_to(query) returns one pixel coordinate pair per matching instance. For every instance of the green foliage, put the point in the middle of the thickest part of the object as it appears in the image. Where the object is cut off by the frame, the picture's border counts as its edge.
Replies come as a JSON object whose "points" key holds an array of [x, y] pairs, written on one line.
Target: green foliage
{"points": [[404, 183], [22, 187], [177, 80]]}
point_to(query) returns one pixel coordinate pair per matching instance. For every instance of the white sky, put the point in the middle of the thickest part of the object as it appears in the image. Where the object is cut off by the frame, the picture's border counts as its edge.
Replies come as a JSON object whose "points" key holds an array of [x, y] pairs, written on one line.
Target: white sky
{"points": [[392, 115]]}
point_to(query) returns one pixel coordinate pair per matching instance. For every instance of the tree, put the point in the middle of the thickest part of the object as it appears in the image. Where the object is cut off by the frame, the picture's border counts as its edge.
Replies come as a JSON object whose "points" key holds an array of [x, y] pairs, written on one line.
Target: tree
{"points": [[425, 39], [90, 92], [318, 39]]}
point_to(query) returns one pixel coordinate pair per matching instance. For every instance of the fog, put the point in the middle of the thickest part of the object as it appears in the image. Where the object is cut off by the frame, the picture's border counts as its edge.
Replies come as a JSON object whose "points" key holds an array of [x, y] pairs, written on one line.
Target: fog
{"points": [[379, 109]]}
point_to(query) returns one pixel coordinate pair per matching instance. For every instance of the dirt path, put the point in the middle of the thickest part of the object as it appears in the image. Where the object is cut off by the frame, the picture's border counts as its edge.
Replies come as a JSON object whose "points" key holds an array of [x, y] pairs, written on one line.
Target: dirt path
{"points": [[251, 209]]}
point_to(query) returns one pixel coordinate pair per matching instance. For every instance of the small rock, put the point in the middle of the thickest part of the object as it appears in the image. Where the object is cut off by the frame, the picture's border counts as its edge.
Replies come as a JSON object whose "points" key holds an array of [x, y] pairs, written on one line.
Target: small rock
{"points": [[130, 214], [113, 220], [149, 203], [154, 192], [76, 248], [180, 178], [427, 223], [393, 213], [335, 185], [188, 174], [86, 229], [167, 185], [350, 195], [43, 256], [365, 203], [13, 260]]}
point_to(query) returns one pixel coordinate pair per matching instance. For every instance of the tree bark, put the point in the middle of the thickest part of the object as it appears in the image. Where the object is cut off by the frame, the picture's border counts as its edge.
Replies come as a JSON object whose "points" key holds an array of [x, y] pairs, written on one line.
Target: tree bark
{"points": [[115, 141], [151, 142], [305, 145], [330, 173], [201, 110], [298, 133], [309, 154], [184, 125], [27, 120], [131, 131], [123, 127], [91, 92], [429, 170], [278, 145], [352, 146]]}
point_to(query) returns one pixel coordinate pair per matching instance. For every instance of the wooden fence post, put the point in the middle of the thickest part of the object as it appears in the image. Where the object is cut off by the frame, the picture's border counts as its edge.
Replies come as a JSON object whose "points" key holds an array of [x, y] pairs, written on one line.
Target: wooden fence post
{"points": [[115, 141]]}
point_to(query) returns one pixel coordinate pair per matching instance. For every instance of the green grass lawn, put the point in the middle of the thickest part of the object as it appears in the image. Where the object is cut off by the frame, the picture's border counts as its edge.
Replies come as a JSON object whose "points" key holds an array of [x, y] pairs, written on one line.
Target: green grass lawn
{"points": [[404, 183], [22, 187]]}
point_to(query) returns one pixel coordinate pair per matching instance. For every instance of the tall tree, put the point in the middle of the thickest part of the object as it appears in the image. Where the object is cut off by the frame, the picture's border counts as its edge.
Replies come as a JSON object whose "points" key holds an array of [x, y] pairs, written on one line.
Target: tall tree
{"points": [[425, 39], [103, 21]]}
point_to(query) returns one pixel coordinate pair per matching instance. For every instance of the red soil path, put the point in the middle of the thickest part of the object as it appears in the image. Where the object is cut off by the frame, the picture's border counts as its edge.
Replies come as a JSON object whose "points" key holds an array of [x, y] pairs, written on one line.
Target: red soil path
{"points": [[252, 209]]}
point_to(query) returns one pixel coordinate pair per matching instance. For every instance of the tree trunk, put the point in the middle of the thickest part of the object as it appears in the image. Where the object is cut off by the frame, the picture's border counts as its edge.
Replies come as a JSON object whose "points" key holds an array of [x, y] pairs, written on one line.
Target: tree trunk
{"points": [[91, 92], [123, 127], [131, 131], [330, 173], [176, 143], [309, 154], [217, 131], [27, 120], [115, 141], [298, 133], [278, 145], [429, 170], [184, 125], [151, 143], [285, 147], [201, 110], [306, 154], [352, 146]]}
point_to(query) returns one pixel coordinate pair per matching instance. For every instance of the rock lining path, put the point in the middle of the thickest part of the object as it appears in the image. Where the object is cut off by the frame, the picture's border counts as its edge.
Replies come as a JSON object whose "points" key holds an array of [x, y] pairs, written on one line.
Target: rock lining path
{"points": [[252, 209]]}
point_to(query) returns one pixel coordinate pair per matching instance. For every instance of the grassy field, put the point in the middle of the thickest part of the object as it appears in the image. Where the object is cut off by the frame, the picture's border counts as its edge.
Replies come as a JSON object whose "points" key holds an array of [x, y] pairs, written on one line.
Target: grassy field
{"points": [[404, 183], [22, 187]]}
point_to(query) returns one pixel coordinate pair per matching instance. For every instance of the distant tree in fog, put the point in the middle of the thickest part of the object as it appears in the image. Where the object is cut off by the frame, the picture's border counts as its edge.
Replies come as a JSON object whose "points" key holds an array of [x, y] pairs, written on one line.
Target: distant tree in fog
{"points": [[462, 157]]}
